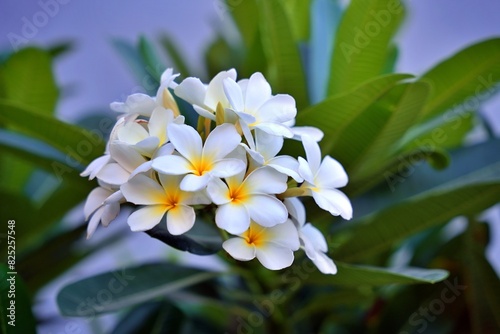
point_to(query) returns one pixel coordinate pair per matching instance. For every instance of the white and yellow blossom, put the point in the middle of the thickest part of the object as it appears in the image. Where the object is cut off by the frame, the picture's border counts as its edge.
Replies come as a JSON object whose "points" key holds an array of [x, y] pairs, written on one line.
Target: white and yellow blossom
{"points": [[198, 162], [159, 199], [241, 199], [272, 246]]}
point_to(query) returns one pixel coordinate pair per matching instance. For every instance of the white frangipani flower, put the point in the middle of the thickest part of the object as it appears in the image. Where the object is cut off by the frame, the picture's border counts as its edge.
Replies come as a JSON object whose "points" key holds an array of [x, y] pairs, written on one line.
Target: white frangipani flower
{"points": [[148, 136], [252, 99], [273, 246], [322, 178], [311, 238], [200, 162], [103, 204], [251, 198], [160, 199], [267, 147], [144, 105], [205, 98]]}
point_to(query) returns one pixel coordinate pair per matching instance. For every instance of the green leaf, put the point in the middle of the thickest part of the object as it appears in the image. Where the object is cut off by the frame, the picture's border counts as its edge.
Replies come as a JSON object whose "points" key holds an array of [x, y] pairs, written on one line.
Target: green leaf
{"points": [[220, 56], [200, 240], [359, 275], [22, 320], [135, 62], [285, 72], [448, 131], [154, 317], [126, 287], [465, 80], [79, 145], [326, 16], [377, 130], [154, 65], [362, 43], [336, 114], [298, 11], [437, 158], [27, 79], [462, 194], [483, 284], [176, 56], [246, 17]]}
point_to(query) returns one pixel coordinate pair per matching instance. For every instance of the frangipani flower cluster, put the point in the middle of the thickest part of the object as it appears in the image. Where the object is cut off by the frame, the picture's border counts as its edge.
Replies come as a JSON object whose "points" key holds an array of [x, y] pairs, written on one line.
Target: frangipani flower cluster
{"points": [[230, 164]]}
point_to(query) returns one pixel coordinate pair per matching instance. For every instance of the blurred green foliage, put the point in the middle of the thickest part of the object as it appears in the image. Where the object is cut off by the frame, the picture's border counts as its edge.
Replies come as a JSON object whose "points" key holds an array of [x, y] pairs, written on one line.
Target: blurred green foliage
{"points": [[381, 126]]}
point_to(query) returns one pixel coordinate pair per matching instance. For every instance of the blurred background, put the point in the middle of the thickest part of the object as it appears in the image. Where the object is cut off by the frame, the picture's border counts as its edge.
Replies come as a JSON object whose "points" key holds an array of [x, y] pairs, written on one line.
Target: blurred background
{"points": [[92, 75]]}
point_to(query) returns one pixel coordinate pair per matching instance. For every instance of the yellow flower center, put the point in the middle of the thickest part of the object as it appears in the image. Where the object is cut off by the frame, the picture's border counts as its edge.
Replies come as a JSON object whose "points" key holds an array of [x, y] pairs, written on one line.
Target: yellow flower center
{"points": [[255, 235], [201, 167]]}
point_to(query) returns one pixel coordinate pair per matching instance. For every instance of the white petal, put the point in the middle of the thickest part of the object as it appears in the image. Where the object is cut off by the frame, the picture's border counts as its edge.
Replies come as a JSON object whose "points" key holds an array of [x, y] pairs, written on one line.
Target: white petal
{"points": [[284, 235], [324, 264], [204, 112], [330, 174], [310, 131], [95, 166], [180, 219], [193, 182], [139, 103], [274, 257], [256, 156], [142, 190], [145, 167], [266, 210], [166, 149], [268, 145], [305, 170], [313, 153], [233, 94], [279, 108], [220, 142], [196, 197], [313, 240], [215, 90], [147, 146], [146, 218], [245, 117], [296, 209], [227, 167], [287, 165], [126, 156], [276, 129], [218, 191], [191, 90], [113, 174], [239, 249], [185, 140], [95, 199], [94, 222], [131, 133], [158, 123], [172, 164], [257, 92], [333, 201], [266, 180], [109, 213], [232, 217]]}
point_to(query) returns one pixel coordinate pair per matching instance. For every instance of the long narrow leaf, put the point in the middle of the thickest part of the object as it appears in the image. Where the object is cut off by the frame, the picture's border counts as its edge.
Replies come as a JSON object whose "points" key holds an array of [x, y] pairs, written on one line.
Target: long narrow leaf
{"points": [[127, 287], [286, 69], [362, 42]]}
